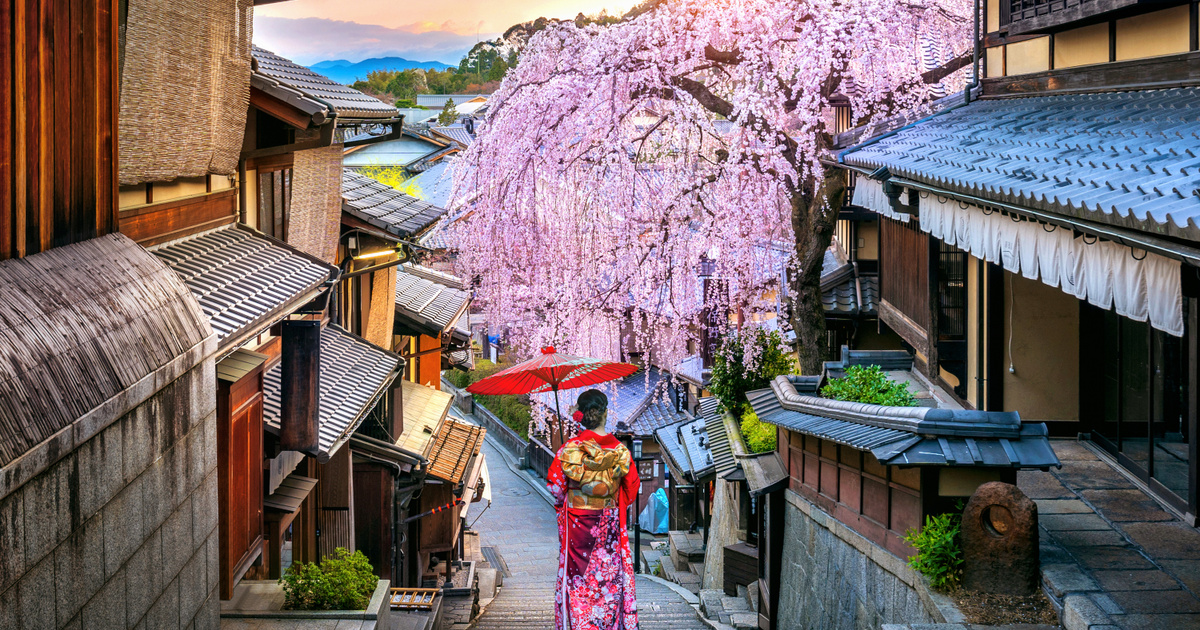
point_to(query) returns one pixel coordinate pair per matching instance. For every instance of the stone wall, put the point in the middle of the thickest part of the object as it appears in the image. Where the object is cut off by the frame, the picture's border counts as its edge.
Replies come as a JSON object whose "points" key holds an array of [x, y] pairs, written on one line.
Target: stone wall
{"points": [[722, 531], [122, 531], [834, 578]]}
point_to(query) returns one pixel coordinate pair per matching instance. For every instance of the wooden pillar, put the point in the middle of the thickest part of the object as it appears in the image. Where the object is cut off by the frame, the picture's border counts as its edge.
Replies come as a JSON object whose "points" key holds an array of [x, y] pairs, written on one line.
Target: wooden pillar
{"points": [[300, 373]]}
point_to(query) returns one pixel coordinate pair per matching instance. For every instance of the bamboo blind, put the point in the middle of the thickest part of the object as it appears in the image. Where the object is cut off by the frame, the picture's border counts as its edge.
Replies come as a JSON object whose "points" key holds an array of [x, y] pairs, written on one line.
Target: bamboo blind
{"points": [[185, 88]]}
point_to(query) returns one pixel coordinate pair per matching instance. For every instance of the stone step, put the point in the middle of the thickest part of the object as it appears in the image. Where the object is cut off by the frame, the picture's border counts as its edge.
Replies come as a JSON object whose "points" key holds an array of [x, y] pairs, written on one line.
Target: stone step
{"points": [[697, 568]]}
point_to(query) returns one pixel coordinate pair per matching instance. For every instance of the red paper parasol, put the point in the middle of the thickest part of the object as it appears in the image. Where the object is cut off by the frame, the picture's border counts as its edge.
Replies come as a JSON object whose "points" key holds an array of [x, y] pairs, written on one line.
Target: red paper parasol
{"points": [[551, 372]]}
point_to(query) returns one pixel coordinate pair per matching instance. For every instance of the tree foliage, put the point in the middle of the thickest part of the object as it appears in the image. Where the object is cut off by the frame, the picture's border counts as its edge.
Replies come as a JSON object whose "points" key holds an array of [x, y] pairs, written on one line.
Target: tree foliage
{"points": [[868, 384], [741, 367], [449, 114], [616, 157]]}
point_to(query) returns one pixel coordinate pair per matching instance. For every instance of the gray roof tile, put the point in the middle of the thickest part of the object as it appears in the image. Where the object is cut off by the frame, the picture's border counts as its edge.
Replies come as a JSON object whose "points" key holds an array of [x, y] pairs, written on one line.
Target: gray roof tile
{"points": [[243, 280], [353, 375], [1128, 159], [426, 304], [385, 207], [718, 439], [635, 403], [319, 90]]}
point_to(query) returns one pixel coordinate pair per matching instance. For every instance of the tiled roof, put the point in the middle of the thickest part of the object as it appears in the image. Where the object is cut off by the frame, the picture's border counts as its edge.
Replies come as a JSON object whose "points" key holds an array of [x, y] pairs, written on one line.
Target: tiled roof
{"points": [[425, 305], [694, 435], [718, 438], [455, 445], [909, 435], [385, 207], [456, 132], [274, 73], [635, 403], [672, 448], [434, 184], [243, 280], [425, 409], [439, 100], [1129, 159], [400, 152], [353, 375], [80, 324]]}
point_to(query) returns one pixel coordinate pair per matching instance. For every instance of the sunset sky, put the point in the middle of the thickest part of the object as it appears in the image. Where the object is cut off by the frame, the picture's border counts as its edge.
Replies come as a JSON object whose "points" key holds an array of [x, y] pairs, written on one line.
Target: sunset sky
{"points": [[308, 31]]}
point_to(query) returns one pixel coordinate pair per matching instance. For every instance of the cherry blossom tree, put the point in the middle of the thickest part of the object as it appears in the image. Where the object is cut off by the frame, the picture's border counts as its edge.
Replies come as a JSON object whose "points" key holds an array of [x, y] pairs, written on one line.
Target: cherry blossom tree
{"points": [[614, 159]]}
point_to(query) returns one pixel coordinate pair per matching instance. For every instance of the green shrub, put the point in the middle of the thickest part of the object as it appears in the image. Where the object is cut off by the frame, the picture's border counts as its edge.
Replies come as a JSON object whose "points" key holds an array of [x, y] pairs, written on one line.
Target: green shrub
{"points": [[868, 384], [730, 377], [759, 436], [343, 581], [939, 555], [513, 411]]}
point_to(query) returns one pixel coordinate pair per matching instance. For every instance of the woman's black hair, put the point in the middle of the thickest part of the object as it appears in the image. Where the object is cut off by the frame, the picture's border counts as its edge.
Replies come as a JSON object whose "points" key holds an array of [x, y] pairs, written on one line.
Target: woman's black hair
{"points": [[593, 403]]}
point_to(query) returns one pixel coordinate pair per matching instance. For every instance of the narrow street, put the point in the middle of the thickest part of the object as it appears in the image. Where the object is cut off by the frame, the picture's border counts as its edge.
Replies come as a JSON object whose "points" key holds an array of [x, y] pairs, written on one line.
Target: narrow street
{"points": [[520, 526]]}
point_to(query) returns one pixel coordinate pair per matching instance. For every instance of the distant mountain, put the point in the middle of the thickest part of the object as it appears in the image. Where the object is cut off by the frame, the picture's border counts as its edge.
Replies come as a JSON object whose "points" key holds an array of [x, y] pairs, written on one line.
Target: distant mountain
{"points": [[348, 72]]}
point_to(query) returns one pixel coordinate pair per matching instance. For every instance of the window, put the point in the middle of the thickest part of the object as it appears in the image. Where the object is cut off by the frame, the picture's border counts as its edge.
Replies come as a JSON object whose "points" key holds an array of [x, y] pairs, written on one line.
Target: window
{"points": [[274, 201]]}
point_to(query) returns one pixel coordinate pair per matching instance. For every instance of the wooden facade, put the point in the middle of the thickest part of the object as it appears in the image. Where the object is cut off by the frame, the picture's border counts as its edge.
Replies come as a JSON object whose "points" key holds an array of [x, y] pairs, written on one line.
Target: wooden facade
{"points": [[239, 464], [879, 502], [58, 145]]}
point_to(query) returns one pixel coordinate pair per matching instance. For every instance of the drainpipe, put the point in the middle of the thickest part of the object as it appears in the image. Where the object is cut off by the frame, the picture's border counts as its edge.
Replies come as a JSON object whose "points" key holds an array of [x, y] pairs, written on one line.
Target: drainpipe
{"points": [[242, 191], [975, 59]]}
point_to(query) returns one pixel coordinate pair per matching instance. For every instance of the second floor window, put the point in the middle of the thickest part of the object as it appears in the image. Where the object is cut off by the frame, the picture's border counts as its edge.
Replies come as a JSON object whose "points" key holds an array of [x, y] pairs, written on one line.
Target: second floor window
{"points": [[274, 201]]}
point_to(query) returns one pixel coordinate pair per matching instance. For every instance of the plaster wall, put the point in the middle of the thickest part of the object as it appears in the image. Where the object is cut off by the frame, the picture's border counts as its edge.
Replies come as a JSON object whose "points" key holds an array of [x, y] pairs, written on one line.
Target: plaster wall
{"points": [[1031, 55], [1044, 350], [1081, 46], [868, 236], [834, 578], [1153, 34], [973, 345], [121, 532]]}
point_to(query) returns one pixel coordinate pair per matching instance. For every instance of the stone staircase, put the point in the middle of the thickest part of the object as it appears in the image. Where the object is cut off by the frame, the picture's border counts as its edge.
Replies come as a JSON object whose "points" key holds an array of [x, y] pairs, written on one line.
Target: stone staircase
{"points": [[530, 606], [682, 562]]}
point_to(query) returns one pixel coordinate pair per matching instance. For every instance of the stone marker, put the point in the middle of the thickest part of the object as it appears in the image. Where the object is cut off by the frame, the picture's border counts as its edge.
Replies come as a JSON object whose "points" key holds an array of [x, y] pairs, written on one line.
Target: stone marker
{"points": [[1000, 541]]}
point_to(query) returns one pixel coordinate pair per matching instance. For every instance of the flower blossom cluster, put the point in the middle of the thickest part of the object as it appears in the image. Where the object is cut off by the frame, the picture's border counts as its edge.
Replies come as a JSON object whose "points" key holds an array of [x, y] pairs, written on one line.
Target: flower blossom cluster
{"points": [[615, 159]]}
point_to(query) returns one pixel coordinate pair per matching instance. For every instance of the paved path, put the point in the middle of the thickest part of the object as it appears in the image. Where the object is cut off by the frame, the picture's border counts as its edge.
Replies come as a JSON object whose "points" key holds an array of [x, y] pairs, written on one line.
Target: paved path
{"points": [[520, 525], [1120, 559]]}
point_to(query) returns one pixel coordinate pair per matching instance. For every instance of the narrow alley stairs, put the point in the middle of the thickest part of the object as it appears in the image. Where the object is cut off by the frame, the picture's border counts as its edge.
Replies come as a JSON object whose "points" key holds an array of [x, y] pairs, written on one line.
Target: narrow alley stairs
{"points": [[520, 526]]}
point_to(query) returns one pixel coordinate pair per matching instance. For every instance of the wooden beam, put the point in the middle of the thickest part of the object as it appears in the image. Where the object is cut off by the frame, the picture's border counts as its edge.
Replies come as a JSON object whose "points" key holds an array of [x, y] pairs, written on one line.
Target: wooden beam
{"points": [[287, 113], [158, 223], [300, 373], [1181, 70]]}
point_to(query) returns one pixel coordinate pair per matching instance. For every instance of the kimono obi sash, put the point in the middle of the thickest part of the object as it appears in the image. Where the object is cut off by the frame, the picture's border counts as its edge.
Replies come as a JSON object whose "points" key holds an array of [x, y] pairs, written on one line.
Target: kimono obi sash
{"points": [[594, 474]]}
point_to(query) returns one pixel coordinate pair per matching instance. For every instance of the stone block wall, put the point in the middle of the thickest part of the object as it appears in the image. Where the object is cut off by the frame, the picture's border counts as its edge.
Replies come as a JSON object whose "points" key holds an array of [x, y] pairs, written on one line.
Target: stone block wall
{"points": [[833, 577], [121, 532]]}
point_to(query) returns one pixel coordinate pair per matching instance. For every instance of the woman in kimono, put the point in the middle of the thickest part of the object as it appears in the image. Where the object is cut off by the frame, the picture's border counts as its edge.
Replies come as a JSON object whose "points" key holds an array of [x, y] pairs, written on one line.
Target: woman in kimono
{"points": [[593, 480]]}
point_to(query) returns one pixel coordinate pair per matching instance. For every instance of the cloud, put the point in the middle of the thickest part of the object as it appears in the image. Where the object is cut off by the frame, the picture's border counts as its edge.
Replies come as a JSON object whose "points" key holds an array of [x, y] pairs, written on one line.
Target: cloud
{"points": [[309, 40]]}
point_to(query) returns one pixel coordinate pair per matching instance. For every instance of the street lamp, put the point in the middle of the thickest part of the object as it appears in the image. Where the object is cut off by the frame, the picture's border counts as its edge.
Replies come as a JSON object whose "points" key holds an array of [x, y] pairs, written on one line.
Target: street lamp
{"points": [[637, 508]]}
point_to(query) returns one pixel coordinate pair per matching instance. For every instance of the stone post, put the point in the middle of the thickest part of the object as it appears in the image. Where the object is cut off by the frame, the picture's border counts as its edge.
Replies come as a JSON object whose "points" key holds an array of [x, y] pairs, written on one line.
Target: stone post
{"points": [[1000, 541]]}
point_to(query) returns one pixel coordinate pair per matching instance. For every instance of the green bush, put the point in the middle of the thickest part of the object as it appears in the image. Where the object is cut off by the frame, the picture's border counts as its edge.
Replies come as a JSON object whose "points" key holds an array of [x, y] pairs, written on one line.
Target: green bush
{"points": [[730, 378], [868, 384], [343, 581], [939, 555], [759, 436]]}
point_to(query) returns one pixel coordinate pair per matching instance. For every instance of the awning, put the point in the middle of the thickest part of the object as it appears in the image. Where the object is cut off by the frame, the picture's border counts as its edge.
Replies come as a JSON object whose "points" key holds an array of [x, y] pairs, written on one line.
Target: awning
{"points": [[764, 472], [1136, 284], [455, 447], [1126, 159], [290, 494], [426, 303], [424, 410], [399, 214], [354, 374], [244, 281]]}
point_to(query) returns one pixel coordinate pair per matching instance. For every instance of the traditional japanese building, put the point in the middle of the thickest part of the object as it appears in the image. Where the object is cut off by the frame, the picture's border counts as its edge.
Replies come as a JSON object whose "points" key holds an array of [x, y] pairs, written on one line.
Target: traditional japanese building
{"points": [[1037, 245]]}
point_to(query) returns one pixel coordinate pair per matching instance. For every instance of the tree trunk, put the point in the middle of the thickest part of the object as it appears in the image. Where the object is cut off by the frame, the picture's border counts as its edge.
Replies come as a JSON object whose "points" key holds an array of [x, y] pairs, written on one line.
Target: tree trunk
{"points": [[814, 214]]}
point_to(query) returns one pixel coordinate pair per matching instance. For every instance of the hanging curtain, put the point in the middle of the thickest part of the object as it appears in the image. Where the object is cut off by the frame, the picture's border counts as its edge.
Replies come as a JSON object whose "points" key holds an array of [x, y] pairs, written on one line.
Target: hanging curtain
{"points": [[1104, 273], [868, 193]]}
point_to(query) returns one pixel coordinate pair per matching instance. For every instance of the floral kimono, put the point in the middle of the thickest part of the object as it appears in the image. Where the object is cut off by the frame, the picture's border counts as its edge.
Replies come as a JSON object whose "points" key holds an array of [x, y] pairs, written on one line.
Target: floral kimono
{"points": [[593, 481]]}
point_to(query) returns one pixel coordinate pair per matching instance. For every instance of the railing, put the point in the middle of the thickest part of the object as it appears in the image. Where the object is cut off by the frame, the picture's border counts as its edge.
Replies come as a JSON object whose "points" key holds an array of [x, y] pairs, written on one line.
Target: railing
{"points": [[538, 457]]}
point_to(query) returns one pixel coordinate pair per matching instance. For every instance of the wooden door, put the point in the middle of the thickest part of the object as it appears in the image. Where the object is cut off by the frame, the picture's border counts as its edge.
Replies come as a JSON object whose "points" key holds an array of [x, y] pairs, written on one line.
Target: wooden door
{"points": [[239, 476]]}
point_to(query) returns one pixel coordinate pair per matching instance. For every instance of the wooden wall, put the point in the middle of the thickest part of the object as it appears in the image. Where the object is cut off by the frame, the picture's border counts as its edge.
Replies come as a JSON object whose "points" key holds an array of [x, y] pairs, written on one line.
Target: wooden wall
{"points": [[904, 269], [880, 502], [58, 146]]}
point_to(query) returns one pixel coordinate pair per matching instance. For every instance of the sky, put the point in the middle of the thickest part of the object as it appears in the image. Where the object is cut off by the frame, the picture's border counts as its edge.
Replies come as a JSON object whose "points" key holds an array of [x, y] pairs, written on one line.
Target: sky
{"points": [[308, 31]]}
